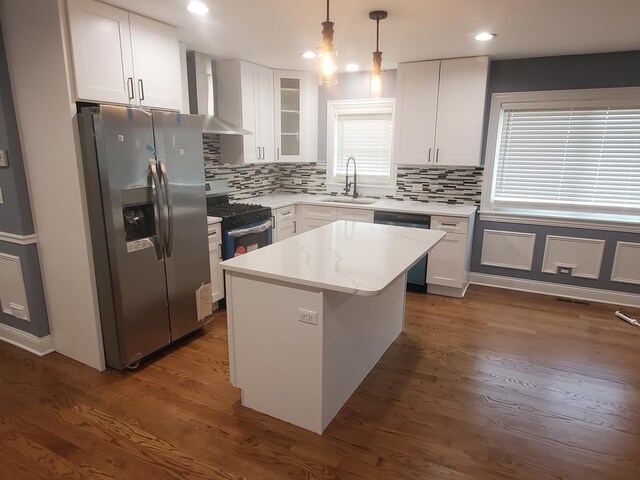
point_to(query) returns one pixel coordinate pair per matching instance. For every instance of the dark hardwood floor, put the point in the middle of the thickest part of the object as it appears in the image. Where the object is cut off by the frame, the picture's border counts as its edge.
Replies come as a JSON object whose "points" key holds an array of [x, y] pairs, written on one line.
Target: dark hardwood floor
{"points": [[499, 385]]}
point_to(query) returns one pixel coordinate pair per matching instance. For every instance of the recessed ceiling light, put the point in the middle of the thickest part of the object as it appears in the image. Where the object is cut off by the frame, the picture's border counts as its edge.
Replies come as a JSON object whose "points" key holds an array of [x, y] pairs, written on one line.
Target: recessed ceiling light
{"points": [[198, 8], [352, 67], [485, 36], [309, 54]]}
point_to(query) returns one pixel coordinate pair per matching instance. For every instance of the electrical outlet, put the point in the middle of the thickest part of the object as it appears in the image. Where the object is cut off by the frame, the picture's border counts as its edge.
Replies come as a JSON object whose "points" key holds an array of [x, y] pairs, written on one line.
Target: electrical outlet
{"points": [[416, 188], [307, 316]]}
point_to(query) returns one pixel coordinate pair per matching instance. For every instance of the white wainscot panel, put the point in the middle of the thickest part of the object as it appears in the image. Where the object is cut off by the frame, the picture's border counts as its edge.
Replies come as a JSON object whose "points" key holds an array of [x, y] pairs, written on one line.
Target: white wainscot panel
{"points": [[508, 249], [13, 297], [626, 263], [582, 255]]}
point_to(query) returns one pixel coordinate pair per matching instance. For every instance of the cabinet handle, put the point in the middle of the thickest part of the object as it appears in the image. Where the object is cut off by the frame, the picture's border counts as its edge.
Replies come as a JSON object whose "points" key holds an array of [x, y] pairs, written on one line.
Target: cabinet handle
{"points": [[278, 153], [220, 251], [263, 154], [130, 88], [437, 154], [452, 225], [429, 159], [273, 221], [141, 89], [295, 227]]}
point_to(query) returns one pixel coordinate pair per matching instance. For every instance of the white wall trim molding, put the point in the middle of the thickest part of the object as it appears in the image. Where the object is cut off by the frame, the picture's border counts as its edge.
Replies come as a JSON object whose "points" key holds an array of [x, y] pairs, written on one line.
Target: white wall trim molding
{"points": [[560, 221], [498, 254], [26, 341], [582, 255], [556, 289], [19, 239], [626, 263]]}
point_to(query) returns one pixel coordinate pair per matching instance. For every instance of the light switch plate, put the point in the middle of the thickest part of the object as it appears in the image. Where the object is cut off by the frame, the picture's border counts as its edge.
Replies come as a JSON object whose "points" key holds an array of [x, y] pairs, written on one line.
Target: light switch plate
{"points": [[4, 158]]}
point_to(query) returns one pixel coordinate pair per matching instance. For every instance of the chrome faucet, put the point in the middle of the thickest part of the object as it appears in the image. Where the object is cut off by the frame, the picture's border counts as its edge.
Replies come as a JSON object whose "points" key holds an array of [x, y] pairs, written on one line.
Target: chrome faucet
{"points": [[347, 185]]}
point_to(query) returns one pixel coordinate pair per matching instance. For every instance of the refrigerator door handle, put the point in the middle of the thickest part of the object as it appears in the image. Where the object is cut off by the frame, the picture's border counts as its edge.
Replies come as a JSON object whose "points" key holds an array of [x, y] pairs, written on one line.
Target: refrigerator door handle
{"points": [[169, 205], [157, 207]]}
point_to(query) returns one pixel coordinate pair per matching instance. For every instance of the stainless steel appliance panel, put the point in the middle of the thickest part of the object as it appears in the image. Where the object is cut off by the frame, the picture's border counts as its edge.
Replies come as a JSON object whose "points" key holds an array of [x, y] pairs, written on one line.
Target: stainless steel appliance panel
{"points": [[124, 147], [179, 152]]}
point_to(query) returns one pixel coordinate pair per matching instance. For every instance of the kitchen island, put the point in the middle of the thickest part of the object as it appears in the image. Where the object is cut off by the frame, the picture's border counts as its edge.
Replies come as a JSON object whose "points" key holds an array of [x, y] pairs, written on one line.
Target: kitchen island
{"points": [[309, 317]]}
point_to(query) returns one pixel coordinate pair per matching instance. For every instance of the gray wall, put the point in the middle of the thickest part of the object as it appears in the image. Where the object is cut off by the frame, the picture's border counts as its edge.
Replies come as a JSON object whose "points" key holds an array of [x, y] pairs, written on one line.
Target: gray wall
{"points": [[351, 86], [620, 69], [15, 213]]}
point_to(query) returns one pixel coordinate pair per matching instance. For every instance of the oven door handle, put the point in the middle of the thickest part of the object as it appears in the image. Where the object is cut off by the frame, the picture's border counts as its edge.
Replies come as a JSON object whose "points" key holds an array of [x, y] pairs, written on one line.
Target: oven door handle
{"points": [[241, 232]]}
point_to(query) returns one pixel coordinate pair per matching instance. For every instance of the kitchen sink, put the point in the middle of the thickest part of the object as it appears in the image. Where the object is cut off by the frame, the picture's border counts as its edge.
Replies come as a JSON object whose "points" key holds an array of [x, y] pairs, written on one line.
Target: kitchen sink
{"points": [[350, 201]]}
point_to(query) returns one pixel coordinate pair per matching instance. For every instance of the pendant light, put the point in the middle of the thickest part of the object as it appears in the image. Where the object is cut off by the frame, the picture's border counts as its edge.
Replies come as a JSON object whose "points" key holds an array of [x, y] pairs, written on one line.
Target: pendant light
{"points": [[376, 70], [327, 54]]}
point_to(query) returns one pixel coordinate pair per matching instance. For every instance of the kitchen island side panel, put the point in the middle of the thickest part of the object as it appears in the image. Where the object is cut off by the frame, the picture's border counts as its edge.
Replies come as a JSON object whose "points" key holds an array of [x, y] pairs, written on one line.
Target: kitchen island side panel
{"points": [[357, 331], [276, 359]]}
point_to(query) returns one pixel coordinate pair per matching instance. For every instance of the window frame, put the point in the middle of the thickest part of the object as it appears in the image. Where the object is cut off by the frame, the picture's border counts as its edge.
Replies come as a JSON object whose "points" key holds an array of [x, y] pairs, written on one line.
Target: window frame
{"points": [[359, 106], [623, 97]]}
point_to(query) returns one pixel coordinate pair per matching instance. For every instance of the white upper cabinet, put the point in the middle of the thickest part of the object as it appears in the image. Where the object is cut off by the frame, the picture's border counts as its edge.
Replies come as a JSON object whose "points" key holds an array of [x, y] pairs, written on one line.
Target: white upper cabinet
{"points": [[440, 112], [156, 63], [416, 108], [245, 97], [265, 114], [101, 51], [120, 57], [296, 116], [461, 100]]}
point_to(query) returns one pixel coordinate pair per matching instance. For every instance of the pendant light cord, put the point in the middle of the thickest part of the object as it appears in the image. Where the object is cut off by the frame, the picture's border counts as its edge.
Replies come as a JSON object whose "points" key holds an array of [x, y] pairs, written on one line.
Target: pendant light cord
{"points": [[377, 34], [327, 10]]}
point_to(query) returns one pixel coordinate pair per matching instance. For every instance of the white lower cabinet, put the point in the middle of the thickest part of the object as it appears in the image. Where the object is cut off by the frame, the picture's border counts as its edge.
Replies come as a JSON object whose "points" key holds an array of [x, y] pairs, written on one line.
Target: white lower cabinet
{"points": [[445, 266], [284, 223], [215, 257], [314, 216], [354, 215], [449, 262]]}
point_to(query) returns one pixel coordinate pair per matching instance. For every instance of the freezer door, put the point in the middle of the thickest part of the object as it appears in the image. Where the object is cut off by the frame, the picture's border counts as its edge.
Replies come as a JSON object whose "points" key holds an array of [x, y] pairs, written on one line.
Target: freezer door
{"points": [[133, 229], [179, 152]]}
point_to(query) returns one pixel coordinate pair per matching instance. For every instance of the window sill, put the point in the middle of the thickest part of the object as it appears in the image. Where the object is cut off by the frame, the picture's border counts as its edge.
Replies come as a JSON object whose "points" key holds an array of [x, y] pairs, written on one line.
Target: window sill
{"points": [[615, 223]]}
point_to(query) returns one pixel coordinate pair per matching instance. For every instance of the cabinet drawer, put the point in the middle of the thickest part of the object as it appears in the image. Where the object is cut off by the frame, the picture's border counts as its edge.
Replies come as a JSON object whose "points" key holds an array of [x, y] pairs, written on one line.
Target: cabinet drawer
{"points": [[215, 231], [285, 213], [319, 213], [355, 215], [450, 224]]}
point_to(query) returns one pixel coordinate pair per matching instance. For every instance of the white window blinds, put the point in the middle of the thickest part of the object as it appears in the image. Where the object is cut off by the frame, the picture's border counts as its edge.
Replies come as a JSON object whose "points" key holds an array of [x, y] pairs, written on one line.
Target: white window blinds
{"points": [[367, 138], [569, 159]]}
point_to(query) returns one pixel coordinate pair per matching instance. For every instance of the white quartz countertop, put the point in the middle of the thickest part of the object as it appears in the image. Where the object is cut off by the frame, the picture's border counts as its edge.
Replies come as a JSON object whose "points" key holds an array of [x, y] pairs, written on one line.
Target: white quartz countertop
{"points": [[213, 220], [349, 257], [385, 205]]}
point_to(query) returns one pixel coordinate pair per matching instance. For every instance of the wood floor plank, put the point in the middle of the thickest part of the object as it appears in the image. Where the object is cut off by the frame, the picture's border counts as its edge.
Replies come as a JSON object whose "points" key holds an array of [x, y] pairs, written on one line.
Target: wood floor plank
{"points": [[498, 385]]}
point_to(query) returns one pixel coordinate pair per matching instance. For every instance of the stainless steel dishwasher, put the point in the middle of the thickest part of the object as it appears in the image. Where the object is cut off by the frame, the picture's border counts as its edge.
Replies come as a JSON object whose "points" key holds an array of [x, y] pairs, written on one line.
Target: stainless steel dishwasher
{"points": [[417, 276]]}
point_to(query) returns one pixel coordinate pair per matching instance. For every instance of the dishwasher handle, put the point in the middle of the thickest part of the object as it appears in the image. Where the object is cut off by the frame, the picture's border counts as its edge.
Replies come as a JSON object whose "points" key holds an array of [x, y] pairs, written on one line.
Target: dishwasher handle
{"points": [[410, 218]]}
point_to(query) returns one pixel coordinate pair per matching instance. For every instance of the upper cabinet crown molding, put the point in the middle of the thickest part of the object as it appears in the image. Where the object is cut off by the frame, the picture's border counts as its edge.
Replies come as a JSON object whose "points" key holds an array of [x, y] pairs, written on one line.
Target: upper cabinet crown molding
{"points": [[440, 112], [119, 57]]}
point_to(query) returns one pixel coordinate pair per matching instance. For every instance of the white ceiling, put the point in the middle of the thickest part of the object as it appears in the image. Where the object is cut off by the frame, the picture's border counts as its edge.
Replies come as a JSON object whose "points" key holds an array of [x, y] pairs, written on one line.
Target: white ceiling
{"points": [[275, 32]]}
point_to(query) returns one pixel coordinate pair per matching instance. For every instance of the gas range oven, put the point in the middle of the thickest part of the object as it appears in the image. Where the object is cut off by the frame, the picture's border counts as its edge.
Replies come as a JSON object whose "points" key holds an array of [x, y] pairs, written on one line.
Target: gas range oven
{"points": [[245, 227]]}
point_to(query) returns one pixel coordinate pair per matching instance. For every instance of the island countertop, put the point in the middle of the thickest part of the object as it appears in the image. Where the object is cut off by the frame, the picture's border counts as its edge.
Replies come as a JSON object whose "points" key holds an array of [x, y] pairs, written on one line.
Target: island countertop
{"points": [[343, 256]]}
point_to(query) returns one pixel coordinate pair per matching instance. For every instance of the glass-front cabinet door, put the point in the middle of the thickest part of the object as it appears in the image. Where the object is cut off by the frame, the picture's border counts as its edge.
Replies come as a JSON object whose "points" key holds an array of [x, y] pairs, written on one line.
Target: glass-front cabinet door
{"points": [[296, 101]]}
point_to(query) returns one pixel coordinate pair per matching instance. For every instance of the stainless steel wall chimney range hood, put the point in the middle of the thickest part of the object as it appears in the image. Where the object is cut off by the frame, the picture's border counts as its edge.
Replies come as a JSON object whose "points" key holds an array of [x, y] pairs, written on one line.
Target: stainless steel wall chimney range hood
{"points": [[200, 76]]}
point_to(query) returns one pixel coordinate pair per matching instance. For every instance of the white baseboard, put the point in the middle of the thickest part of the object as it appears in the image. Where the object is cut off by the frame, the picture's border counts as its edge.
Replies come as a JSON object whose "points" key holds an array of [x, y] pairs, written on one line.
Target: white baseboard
{"points": [[26, 341], [555, 289]]}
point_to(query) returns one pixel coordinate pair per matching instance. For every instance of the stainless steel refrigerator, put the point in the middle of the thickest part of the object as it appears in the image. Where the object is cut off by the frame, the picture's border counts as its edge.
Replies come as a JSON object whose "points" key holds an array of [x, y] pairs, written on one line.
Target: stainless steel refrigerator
{"points": [[144, 174]]}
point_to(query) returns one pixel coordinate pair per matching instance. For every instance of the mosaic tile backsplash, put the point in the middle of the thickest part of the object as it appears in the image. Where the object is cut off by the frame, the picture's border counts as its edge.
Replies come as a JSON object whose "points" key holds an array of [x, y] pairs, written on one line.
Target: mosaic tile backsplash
{"points": [[452, 185]]}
